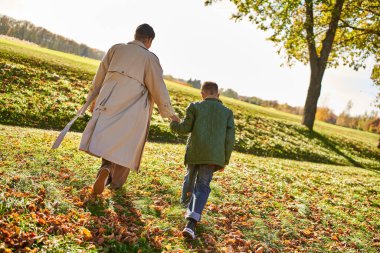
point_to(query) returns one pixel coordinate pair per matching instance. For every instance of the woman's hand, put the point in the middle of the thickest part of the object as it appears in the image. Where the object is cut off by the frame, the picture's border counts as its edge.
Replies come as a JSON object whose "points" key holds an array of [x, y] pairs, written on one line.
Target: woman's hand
{"points": [[175, 118], [92, 107]]}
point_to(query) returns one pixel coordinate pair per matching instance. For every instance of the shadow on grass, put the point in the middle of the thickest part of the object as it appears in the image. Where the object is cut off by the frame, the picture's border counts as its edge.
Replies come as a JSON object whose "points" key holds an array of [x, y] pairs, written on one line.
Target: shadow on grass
{"points": [[155, 135], [333, 147], [159, 133], [117, 226], [329, 144]]}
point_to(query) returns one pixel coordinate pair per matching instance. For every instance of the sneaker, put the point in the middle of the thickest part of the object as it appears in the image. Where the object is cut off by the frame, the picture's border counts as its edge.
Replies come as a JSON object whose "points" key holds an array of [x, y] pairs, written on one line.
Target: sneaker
{"points": [[101, 181], [189, 231]]}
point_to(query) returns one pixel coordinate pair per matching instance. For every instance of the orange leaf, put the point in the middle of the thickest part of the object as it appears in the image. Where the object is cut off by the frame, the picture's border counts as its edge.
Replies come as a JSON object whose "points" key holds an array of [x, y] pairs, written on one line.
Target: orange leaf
{"points": [[260, 250], [86, 233], [102, 230], [307, 233], [41, 221]]}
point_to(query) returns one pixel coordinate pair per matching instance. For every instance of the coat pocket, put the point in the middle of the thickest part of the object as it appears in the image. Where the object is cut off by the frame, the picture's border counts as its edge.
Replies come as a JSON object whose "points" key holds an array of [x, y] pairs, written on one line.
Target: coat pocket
{"points": [[105, 94]]}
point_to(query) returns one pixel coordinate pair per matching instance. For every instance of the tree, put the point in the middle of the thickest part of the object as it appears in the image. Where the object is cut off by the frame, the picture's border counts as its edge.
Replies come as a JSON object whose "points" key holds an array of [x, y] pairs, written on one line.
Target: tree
{"points": [[4, 25], [195, 83], [376, 79], [344, 118], [321, 33], [230, 93], [325, 114]]}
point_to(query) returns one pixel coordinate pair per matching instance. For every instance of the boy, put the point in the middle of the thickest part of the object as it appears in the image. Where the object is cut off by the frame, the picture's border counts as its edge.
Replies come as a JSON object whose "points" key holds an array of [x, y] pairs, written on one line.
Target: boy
{"points": [[208, 149]]}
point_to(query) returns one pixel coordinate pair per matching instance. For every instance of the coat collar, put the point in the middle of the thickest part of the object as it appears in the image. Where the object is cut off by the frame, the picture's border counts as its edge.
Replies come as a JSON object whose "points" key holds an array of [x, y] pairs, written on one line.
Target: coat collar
{"points": [[139, 43], [214, 99]]}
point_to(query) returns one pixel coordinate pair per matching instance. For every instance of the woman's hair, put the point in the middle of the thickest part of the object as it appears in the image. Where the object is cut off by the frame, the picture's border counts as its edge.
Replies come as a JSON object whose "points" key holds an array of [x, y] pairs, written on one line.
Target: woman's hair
{"points": [[143, 32], [210, 88]]}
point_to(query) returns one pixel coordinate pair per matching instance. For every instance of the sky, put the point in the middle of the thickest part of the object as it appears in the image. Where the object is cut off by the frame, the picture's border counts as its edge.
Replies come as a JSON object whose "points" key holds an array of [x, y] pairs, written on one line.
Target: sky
{"points": [[195, 41]]}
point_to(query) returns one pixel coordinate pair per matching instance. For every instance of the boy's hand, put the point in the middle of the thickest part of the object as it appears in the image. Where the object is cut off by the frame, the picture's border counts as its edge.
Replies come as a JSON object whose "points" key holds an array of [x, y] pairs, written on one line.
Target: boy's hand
{"points": [[175, 118]]}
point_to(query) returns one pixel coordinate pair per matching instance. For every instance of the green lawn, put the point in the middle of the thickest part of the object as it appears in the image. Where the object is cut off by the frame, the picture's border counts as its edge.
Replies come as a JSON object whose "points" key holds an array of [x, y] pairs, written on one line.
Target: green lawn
{"points": [[280, 205], [43, 88], [18, 48], [286, 190]]}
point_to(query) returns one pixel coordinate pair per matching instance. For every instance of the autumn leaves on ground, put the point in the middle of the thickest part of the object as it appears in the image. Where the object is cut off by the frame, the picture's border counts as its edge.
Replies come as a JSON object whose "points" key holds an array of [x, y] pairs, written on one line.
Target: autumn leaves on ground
{"points": [[286, 190]]}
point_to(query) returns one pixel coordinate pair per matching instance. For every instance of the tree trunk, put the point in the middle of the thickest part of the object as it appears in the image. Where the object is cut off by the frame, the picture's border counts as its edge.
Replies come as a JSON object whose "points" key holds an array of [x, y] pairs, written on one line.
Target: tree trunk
{"points": [[318, 63], [313, 94]]}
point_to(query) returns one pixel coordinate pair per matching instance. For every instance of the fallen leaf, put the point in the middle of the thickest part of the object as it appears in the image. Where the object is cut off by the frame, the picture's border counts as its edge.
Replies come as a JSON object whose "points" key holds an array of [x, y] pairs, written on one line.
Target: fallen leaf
{"points": [[260, 250], [86, 233], [101, 241]]}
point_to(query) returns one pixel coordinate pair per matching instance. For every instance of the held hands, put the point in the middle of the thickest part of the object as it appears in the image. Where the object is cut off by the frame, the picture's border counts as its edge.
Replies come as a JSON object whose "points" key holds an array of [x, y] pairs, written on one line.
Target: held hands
{"points": [[175, 118], [92, 106]]}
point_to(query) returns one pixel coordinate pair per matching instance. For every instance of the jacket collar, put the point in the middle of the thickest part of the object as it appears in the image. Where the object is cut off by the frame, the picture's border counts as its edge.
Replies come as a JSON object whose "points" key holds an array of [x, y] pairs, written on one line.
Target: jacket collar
{"points": [[139, 43], [214, 99]]}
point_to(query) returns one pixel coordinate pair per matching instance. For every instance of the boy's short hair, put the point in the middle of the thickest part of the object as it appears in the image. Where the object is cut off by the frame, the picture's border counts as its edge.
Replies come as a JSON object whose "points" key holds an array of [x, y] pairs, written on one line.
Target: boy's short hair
{"points": [[143, 32], [210, 88]]}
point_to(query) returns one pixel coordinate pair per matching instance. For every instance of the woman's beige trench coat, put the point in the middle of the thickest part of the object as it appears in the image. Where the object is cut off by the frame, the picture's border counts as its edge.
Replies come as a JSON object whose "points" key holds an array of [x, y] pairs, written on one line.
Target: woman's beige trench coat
{"points": [[127, 84]]}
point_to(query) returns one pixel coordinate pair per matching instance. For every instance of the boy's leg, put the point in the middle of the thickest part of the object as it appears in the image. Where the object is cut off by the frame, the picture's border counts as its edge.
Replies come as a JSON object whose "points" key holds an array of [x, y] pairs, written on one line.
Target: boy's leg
{"points": [[188, 184], [201, 191]]}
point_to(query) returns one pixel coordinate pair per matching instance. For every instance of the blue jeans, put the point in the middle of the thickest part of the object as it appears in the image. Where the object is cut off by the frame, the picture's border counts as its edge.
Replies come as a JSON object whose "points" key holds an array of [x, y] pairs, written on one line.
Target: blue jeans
{"points": [[196, 189]]}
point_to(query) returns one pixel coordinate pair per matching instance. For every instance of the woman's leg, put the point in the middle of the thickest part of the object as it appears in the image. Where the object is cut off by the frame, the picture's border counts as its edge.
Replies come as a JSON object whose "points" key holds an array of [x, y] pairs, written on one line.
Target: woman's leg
{"points": [[119, 174], [102, 178]]}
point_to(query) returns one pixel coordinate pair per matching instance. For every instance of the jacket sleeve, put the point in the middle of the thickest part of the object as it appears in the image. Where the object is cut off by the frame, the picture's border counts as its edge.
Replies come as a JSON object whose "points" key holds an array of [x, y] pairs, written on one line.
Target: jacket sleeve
{"points": [[186, 126], [230, 137], [98, 80], [156, 86]]}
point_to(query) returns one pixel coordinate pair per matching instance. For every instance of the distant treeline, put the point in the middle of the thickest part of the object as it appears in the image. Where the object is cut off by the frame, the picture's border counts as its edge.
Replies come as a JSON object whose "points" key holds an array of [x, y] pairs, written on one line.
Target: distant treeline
{"points": [[369, 122], [192, 83], [25, 30], [298, 110]]}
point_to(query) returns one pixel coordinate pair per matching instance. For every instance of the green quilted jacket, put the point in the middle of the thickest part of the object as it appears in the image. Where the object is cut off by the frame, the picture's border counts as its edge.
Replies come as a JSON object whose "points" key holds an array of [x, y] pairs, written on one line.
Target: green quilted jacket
{"points": [[212, 132]]}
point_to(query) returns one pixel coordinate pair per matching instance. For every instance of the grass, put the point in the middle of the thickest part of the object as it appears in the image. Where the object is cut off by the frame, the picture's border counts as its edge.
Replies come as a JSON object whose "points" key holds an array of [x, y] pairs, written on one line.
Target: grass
{"points": [[278, 204], [43, 88], [54, 57], [286, 190]]}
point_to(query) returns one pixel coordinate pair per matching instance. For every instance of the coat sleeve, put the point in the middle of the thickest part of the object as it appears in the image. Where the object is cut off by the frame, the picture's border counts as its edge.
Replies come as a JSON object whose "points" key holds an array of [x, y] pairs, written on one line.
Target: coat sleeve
{"points": [[156, 86], [230, 138], [98, 80], [186, 126]]}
